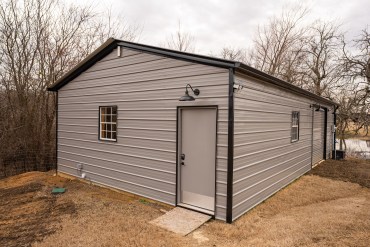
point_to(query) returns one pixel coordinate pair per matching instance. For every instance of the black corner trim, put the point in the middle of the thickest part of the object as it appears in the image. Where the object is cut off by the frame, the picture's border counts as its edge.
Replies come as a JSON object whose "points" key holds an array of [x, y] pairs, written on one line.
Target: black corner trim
{"points": [[230, 150], [56, 132], [177, 155], [325, 132], [335, 124]]}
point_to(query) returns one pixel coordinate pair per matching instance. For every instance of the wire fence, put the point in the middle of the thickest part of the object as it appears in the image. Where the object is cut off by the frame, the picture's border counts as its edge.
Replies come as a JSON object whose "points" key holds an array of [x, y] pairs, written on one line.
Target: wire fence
{"points": [[26, 161]]}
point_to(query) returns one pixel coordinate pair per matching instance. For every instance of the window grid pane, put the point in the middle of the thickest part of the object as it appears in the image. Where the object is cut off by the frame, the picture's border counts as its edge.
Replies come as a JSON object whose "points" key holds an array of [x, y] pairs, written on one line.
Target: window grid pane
{"points": [[108, 123], [295, 126]]}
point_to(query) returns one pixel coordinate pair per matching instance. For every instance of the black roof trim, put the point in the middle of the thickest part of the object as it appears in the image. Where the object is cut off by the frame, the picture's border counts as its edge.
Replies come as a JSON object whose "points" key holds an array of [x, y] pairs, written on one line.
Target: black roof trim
{"points": [[112, 43], [86, 63], [218, 62], [250, 71]]}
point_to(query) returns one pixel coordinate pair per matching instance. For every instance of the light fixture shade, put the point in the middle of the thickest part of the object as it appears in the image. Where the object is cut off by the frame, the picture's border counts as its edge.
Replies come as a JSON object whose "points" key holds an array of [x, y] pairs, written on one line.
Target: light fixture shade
{"points": [[318, 107], [187, 97]]}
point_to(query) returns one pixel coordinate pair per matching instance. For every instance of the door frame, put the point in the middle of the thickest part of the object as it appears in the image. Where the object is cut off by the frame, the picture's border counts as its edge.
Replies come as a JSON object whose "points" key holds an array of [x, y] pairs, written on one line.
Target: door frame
{"points": [[178, 141], [324, 157], [325, 132]]}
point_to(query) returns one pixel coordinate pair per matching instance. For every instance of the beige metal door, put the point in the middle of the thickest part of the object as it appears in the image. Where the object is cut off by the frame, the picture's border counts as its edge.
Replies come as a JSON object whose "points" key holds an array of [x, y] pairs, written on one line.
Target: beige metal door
{"points": [[318, 136], [197, 158]]}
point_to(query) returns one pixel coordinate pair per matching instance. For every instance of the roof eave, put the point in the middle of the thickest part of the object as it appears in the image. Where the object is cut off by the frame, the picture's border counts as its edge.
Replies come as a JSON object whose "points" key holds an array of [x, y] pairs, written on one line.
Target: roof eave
{"points": [[86, 63], [249, 71], [111, 43], [207, 60]]}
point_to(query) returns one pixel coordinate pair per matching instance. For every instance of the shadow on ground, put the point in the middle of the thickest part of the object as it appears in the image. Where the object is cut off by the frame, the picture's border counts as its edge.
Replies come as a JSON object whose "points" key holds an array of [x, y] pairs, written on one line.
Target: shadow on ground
{"points": [[350, 170], [29, 212]]}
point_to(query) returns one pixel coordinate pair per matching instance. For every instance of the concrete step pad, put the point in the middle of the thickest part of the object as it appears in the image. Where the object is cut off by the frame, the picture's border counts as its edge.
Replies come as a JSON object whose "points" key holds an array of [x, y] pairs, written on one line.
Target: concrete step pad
{"points": [[180, 220]]}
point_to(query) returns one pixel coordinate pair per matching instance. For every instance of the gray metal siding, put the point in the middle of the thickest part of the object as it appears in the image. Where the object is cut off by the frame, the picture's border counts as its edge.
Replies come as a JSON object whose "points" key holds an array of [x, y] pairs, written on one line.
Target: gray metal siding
{"points": [[146, 89], [265, 159]]}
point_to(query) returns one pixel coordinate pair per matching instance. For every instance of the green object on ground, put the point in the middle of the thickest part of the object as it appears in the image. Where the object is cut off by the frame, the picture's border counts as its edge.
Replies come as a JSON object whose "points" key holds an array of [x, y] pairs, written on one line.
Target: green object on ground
{"points": [[57, 190], [143, 201]]}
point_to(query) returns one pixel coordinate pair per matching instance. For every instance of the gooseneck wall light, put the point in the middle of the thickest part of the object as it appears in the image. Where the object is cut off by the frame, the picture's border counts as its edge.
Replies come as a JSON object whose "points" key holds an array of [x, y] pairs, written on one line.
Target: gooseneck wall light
{"points": [[188, 97], [317, 107]]}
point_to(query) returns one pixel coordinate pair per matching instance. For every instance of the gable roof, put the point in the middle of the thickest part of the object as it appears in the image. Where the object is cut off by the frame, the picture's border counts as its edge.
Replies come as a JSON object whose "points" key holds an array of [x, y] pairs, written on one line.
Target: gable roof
{"points": [[112, 43]]}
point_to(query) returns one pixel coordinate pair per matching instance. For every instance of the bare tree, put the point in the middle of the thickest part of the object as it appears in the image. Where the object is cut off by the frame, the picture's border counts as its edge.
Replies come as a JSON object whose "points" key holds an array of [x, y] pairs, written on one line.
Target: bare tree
{"points": [[181, 40], [312, 58], [278, 44], [39, 41], [232, 53], [304, 55], [321, 52], [356, 70], [357, 62], [109, 25], [350, 112]]}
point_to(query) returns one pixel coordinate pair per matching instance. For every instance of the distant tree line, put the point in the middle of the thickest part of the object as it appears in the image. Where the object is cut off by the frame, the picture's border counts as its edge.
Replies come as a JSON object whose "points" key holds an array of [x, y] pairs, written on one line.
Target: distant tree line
{"points": [[40, 40]]}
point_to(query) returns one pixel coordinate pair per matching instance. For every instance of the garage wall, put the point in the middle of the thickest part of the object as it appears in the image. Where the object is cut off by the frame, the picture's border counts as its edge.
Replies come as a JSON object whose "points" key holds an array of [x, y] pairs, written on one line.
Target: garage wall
{"points": [[265, 159], [146, 89]]}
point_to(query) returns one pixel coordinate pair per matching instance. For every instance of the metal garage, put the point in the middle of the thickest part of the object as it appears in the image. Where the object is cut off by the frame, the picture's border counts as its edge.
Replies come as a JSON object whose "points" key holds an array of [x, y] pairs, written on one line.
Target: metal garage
{"points": [[212, 135]]}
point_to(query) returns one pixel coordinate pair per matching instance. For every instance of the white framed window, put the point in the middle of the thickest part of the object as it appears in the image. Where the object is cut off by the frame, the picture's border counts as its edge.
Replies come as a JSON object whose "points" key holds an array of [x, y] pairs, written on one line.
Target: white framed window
{"points": [[295, 126], [108, 123]]}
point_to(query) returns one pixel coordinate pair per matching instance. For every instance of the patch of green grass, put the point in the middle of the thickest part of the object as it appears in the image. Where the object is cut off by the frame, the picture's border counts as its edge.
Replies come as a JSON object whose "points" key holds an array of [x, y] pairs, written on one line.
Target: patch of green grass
{"points": [[143, 201]]}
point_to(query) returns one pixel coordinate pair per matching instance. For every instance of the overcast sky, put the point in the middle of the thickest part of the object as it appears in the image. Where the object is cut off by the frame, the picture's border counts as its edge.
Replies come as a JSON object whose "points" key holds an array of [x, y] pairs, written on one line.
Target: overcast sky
{"points": [[219, 23]]}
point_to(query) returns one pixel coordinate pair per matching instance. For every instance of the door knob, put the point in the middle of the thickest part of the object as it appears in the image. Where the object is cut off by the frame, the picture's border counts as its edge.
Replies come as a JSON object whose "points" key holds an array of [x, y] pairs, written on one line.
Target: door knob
{"points": [[182, 156]]}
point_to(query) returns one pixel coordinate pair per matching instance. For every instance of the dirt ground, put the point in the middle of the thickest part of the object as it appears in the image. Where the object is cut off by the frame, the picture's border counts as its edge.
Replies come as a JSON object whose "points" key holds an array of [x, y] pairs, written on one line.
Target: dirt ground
{"points": [[328, 207], [350, 170]]}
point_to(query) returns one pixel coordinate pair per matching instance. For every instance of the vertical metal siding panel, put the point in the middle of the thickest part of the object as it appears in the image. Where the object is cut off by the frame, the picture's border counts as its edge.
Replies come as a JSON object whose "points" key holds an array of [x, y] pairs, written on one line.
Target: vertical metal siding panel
{"points": [[146, 89], [265, 158]]}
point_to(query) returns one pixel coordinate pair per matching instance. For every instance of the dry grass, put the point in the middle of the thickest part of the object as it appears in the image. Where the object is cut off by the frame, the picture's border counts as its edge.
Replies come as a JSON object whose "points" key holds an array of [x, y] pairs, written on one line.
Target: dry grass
{"points": [[313, 211], [107, 218], [101, 217]]}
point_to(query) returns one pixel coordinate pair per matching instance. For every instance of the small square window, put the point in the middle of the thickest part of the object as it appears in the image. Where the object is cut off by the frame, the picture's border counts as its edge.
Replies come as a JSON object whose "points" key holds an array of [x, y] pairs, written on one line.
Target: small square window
{"points": [[108, 123], [295, 126]]}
